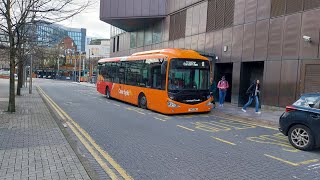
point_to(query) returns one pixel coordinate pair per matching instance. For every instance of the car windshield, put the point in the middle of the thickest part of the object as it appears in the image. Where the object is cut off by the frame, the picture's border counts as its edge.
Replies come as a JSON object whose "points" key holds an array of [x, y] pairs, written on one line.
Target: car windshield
{"points": [[307, 101], [188, 74]]}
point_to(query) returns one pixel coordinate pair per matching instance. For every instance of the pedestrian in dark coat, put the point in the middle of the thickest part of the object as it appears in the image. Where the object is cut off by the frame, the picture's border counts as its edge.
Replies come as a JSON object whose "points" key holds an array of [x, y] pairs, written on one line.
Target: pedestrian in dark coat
{"points": [[253, 92], [213, 90]]}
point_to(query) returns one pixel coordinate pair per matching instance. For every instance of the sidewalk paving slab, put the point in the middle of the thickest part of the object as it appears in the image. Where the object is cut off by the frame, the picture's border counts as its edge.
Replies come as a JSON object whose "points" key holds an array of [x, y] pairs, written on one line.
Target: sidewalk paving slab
{"points": [[31, 144]]}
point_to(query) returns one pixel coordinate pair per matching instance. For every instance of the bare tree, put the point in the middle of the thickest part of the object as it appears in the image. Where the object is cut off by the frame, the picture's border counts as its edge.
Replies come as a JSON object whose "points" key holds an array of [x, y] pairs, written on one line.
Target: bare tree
{"points": [[16, 15]]}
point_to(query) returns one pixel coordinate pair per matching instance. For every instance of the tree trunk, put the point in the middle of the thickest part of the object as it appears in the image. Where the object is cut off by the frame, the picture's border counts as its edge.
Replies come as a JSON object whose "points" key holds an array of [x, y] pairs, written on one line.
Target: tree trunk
{"points": [[12, 101], [20, 78]]}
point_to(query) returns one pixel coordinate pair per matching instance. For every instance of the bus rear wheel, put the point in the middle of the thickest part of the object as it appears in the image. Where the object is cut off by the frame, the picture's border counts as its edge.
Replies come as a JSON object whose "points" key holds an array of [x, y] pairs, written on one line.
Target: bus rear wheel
{"points": [[142, 101], [108, 93]]}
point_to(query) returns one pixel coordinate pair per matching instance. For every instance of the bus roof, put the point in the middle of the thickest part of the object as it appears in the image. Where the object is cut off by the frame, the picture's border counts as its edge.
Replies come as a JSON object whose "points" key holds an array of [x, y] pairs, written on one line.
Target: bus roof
{"points": [[169, 52]]}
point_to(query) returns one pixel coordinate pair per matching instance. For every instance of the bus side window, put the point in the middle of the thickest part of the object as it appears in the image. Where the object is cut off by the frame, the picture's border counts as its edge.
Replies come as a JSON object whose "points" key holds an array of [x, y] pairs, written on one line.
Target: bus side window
{"points": [[108, 77], [121, 72]]}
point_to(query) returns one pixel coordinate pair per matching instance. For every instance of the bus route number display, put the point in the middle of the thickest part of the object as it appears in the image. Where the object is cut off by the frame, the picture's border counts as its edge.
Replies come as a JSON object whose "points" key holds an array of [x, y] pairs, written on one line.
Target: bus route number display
{"points": [[192, 63]]}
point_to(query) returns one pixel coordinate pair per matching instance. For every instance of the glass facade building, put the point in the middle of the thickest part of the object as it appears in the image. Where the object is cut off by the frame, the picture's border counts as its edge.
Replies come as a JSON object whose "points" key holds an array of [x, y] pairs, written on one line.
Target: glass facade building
{"points": [[79, 37], [48, 35]]}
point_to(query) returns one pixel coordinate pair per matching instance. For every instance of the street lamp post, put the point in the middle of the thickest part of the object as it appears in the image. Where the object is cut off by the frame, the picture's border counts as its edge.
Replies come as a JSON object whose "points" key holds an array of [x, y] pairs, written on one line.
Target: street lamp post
{"points": [[75, 67], [83, 64], [57, 74], [79, 67], [90, 73], [90, 67], [30, 78], [59, 48]]}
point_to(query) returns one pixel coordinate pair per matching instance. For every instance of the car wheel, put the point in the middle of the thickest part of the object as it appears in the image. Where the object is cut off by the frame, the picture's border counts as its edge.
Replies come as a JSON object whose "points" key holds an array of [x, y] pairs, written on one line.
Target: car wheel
{"points": [[108, 93], [143, 101], [301, 137]]}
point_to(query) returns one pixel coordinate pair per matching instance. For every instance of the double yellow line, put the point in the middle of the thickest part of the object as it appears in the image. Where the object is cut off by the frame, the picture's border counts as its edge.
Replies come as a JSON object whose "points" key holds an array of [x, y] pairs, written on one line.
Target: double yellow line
{"points": [[95, 150]]}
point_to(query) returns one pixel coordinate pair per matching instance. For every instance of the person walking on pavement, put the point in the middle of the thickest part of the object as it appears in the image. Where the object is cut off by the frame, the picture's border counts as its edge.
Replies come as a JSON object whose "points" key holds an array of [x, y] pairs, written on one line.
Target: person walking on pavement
{"points": [[213, 89], [223, 86], [253, 92]]}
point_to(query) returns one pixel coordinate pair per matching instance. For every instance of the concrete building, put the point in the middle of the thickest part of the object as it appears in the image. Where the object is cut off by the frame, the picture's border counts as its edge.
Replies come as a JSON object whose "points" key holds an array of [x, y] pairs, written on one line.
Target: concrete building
{"points": [[276, 41], [98, 48]]}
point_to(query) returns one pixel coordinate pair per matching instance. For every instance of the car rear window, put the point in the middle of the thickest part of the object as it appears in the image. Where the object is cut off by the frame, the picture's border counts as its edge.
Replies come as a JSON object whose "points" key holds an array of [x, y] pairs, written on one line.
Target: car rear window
{"points": [[307, 101]]}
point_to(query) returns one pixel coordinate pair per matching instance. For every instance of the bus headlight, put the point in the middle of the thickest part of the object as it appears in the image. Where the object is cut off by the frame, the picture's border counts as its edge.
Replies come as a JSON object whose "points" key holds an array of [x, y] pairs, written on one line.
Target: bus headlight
{"points": [[171, 104], [209, 104]]}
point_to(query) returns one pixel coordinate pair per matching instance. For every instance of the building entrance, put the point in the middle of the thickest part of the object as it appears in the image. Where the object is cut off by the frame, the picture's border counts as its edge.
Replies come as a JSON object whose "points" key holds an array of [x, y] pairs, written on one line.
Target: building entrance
{"points": [[224, 69], [250, 71]]}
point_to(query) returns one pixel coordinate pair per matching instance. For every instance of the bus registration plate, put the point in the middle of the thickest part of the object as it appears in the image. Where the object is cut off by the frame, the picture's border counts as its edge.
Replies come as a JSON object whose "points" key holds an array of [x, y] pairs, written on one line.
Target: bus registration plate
{"points": [[193, 109]]}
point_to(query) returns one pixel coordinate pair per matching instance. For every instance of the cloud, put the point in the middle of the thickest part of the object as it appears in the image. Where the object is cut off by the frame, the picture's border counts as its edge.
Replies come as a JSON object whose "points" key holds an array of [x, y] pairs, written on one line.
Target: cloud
{"points": [[89, 19]]}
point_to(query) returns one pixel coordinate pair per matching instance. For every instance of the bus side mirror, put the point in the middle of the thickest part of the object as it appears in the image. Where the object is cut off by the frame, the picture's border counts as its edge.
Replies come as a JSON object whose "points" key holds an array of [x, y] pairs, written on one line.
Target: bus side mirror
{"points": [[164, 68]]}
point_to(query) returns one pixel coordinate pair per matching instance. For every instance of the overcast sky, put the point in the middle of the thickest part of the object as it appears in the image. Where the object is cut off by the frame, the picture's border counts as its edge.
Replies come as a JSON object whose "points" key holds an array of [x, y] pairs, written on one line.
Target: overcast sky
{"points": [[89, 19]]}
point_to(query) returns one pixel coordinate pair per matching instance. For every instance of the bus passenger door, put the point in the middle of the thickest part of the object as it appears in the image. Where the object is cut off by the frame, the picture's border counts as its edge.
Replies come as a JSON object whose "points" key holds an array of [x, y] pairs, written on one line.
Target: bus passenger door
{"points": [[157, 91]]}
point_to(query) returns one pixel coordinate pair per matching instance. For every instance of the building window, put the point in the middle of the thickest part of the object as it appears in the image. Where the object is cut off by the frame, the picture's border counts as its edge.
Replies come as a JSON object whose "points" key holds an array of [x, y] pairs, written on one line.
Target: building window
{"points": [[220, 14], [114, 45], [148, 36], [140, 38], [177, 25], [156, 35], [133, 40], [284, 7], [118, 43]]}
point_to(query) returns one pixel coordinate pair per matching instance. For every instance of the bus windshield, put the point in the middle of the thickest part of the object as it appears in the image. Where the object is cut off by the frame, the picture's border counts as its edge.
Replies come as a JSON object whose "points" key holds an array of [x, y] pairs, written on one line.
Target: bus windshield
{"points": [[188, 74]]}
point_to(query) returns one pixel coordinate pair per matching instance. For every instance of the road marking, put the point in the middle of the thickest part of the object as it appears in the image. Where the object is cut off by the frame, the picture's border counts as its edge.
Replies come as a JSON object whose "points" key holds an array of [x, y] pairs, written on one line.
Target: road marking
{"points": [[105, 167], [159, 119], [282, 160], [116, 104], [309, 161], [108, 158], [314, 165], [267, 127], [185, 128], [295, 164], [130, 109], [164, 116], [276, 139], [223, 141], [108, 102]]}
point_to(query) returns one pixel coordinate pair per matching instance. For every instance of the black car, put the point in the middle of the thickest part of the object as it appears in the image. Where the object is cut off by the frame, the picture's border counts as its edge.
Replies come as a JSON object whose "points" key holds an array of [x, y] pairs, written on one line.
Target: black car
{"points": [[301, 122]]}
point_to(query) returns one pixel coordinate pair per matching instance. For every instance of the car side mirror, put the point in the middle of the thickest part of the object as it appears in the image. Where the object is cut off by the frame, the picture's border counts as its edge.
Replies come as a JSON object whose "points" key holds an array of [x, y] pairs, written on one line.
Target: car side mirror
{"points": [[311, 104]]}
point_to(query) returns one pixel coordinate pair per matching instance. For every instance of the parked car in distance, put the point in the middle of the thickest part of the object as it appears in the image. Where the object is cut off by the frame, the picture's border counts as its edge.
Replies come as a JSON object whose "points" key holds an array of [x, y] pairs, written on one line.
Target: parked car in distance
{"points": [[301, 122]]}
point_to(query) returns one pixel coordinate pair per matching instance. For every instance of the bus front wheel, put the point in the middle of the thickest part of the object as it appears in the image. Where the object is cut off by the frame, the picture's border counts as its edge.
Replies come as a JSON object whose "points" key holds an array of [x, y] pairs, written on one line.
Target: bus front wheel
{"points": [[108, 93], [142, 101]]}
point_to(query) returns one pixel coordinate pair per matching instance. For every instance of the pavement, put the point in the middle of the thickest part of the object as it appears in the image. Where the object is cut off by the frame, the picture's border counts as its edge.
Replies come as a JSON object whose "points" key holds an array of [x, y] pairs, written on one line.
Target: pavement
{"points": [[32, 146], [267, 117]]}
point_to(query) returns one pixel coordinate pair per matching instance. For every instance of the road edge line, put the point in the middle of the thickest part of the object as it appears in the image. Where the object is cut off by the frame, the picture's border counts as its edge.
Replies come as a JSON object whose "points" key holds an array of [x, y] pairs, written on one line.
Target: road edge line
{"points": [[108, 158]]}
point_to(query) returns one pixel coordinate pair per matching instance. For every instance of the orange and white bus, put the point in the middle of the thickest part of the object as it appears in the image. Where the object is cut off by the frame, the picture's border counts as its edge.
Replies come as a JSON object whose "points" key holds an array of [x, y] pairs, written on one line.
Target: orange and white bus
{"points": [[169, 81]]}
